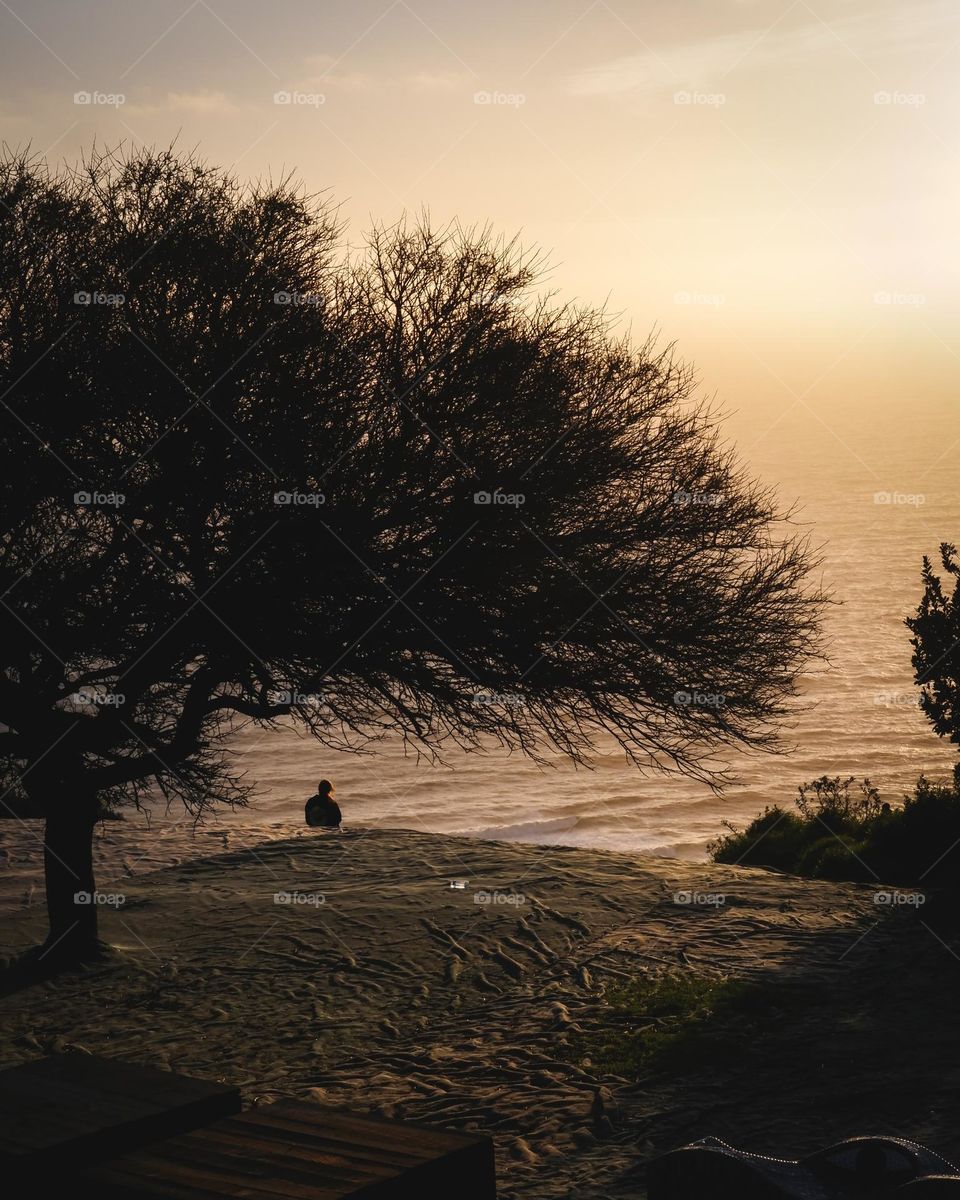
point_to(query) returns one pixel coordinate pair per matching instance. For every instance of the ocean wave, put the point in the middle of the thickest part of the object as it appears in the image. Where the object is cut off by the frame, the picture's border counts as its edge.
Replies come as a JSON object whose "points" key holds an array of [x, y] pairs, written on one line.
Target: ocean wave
{"points": [[523, 830]]}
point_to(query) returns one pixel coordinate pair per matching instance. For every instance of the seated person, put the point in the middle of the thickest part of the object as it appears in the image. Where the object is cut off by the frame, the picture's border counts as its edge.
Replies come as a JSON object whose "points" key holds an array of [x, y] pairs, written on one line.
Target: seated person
{"points": [[322, 810]]}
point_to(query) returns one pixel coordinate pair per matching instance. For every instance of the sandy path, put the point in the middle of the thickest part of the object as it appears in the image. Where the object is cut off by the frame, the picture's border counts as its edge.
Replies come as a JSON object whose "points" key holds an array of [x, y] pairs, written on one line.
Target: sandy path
{"points": [[396, 993]]}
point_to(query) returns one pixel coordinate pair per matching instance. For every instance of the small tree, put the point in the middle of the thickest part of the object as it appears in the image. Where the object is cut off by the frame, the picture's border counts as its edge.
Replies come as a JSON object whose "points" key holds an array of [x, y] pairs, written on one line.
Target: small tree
{"points": [[248, 479], [827, 799], [936, 647]]}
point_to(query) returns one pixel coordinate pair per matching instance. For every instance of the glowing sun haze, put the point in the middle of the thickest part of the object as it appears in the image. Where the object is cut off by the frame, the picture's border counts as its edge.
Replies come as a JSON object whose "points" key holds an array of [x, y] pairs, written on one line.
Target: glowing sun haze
{"points": [[772, 184]]}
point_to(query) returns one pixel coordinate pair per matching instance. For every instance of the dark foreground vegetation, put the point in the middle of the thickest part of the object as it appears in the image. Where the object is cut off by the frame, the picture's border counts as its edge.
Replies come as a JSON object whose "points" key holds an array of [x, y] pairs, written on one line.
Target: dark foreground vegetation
{"points": [[682, 1020], [842, 830]]}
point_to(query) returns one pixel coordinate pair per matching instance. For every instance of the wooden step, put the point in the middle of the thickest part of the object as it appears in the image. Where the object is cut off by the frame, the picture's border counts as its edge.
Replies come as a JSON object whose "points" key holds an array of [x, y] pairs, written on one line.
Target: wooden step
{"points": [[75, 1110], [299, 1151]]}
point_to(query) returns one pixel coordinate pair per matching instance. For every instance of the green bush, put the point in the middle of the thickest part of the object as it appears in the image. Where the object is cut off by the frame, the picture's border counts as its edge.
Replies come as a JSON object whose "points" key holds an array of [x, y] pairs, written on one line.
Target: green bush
{"points": [[774, 839], [846, 832]]}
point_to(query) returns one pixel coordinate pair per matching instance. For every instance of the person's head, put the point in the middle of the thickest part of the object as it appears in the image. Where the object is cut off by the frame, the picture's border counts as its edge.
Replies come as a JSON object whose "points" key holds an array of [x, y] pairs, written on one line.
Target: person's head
{"points": [[325, 787]]}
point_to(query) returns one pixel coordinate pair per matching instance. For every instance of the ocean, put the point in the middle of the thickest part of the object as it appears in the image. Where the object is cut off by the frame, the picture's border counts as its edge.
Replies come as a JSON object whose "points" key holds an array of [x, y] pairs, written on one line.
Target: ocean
{"points": [[877, 488]]}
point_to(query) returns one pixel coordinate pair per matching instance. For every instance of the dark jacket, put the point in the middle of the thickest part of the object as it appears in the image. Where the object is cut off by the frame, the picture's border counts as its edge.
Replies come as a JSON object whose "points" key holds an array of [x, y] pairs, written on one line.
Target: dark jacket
{"points": [[322, 811]]}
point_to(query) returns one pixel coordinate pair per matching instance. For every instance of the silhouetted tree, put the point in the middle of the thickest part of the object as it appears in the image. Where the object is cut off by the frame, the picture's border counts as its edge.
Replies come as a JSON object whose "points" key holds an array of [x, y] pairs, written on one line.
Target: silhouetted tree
{"points": [[251, 478], [936, 647]]}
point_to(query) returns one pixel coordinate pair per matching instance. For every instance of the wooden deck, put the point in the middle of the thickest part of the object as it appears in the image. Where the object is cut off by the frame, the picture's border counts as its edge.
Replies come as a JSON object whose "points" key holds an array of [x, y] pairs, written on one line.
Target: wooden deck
{"points": [[297, 1151], [74, 1110]]}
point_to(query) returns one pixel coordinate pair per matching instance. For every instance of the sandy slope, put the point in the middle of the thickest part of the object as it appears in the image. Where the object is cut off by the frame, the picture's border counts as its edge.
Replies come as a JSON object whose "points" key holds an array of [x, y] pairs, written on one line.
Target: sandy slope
{"points": [[396, 993]]}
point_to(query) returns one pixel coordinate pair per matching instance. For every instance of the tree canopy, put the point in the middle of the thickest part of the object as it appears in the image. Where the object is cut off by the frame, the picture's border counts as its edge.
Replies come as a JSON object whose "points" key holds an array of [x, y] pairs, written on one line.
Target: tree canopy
{"points": [[252, 475], [936, 646]]}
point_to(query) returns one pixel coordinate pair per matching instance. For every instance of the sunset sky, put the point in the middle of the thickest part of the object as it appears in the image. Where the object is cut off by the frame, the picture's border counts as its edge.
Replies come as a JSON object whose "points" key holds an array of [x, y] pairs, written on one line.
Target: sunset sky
{"points": [[772, 184]]}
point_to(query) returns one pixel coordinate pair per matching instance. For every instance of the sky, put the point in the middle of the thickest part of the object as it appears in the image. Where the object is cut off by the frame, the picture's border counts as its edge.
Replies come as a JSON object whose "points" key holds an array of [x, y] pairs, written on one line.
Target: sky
{"points": [[772, 185]]}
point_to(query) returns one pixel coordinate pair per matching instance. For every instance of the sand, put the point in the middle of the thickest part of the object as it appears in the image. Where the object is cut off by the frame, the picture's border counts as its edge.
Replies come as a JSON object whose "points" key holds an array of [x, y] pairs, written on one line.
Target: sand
{"points": [[376, 986]]}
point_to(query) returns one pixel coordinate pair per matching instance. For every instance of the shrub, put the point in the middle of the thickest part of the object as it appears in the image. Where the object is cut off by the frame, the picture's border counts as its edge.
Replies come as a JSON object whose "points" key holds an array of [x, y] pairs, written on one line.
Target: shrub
{"points": [[842, 832]]}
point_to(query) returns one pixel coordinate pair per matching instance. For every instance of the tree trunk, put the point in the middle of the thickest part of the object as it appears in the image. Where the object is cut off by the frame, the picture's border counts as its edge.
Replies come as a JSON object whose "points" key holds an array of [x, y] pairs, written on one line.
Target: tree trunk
{"points": [[68, 871]]}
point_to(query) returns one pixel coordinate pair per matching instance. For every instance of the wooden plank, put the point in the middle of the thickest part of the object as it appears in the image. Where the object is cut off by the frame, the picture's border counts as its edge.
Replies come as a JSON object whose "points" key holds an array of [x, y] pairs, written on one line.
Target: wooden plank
{"points": [[334, 1159], [298, 1151], [237, 1156], [407, 1140], [181, 1176], [113, 1076], [74, 1110]]}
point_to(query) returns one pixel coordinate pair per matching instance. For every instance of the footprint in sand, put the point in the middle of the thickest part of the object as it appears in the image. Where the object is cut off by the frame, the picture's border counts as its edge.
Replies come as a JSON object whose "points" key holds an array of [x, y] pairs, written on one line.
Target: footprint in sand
{"points": [[510, 965], [521, 1150]]}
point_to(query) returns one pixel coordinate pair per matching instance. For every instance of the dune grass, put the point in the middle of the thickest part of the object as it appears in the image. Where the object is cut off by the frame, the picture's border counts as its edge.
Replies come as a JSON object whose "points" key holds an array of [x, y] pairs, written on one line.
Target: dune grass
{"points": [[680, 1020]]}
